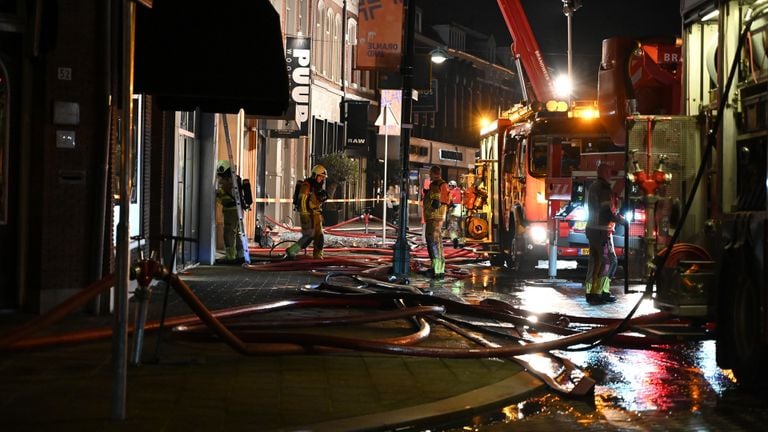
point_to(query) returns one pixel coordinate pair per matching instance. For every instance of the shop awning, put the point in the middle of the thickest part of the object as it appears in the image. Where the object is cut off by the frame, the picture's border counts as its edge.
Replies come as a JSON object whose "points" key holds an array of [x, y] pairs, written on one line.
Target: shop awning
{"points": [[219, 56]]}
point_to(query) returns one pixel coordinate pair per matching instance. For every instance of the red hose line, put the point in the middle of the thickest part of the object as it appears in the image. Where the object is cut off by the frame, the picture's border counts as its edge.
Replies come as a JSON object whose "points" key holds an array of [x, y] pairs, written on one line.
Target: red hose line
{"points": [[90, 335], [349, 343], [334, 320], [346, 222], [499, 305], [439, 352], [684, 251], [238, 344], [292, 349], [220, 329], [57, 313], [565, 384], [422, 333]]}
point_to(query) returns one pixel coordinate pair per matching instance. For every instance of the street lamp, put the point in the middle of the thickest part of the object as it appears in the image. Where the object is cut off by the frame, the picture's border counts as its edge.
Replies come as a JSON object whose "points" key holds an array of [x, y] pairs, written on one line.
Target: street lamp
{"points": [[439, 56], [564, 86], [569, 7], [401, 260]]}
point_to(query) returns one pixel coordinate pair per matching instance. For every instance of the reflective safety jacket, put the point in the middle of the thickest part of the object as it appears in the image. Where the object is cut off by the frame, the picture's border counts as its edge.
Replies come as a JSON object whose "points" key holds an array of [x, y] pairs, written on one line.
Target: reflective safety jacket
{"points": [[438, 191], [602, 212], [311, 197], [224, 193]]}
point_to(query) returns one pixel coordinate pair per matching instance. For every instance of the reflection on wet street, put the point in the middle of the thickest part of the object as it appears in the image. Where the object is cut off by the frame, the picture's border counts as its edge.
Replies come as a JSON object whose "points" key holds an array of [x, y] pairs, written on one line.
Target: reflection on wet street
{"points": [[677, 386]]}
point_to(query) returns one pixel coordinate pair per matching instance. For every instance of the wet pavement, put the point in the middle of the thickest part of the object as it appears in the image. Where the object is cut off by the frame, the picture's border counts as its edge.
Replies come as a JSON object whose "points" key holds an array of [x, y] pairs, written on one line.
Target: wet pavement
{"points": [[665, 387], [189, 384]]}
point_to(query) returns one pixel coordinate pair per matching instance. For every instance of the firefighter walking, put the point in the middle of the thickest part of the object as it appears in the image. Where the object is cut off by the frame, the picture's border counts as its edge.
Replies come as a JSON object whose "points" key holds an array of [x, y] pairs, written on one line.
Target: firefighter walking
{"points": [[309, 198], [436, 199]]}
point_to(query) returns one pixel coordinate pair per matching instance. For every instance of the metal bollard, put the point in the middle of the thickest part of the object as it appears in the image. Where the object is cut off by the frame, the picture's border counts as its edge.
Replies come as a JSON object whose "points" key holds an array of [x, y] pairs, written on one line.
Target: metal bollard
{"points": [[553, 252], [366, 217]]}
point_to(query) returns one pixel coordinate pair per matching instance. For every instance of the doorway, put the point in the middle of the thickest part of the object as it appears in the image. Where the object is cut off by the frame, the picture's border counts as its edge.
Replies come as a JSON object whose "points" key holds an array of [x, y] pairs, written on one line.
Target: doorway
{"points": [[187, 220]]}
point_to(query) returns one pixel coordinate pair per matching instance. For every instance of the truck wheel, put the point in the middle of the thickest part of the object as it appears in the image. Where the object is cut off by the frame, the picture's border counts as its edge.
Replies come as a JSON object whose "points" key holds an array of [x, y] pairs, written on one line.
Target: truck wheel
{"points": [[749, 354], [740, 317], [509, 257]]}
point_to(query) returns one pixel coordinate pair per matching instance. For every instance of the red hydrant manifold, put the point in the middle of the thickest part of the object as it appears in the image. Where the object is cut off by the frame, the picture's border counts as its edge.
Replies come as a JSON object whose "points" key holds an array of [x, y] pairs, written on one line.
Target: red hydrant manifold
{"points": [[649, 183]]}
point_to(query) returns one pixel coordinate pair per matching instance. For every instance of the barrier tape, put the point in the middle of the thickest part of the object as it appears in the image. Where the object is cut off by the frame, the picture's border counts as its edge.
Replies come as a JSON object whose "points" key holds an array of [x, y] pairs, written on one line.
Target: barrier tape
{"points": [[335, 200]]}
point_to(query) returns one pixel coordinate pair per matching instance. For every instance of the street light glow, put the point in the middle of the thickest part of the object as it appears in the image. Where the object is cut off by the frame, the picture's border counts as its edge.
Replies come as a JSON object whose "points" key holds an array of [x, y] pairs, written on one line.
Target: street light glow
{"points": [[563, 86], [438, 56]]}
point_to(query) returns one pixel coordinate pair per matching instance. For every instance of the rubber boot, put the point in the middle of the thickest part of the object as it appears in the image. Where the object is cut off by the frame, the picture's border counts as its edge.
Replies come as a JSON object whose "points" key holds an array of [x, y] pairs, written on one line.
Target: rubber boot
{"points": [[439, 266], [230, 253], [605, 285], [293, 250], [593, 298], [317, 254]]}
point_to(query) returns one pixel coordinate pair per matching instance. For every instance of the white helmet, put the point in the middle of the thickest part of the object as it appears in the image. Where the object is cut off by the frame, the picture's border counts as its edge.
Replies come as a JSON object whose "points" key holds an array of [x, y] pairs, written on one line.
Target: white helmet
{"points": [[452, 183]]}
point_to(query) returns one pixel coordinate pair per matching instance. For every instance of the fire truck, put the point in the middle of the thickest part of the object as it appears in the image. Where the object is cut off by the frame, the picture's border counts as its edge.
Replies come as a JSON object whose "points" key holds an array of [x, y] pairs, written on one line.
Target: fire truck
{"points": [[530, 157], [695, 164], [538, 159], [713, 160], [508, 195]]}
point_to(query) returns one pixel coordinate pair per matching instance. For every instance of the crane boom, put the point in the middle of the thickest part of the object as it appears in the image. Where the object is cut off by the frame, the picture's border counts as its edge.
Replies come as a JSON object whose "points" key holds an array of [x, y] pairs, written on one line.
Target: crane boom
{"points": [[525, 47]]}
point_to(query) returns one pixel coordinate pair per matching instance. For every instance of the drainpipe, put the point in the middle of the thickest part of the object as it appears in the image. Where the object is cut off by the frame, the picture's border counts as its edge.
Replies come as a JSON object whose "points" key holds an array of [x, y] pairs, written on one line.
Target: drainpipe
{"points": [[343, 51], [99, 305], [120, 337]]}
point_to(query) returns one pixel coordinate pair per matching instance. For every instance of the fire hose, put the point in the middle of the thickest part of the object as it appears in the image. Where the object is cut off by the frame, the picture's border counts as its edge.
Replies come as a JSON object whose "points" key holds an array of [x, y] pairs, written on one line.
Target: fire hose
{"points": [[245, 340]]}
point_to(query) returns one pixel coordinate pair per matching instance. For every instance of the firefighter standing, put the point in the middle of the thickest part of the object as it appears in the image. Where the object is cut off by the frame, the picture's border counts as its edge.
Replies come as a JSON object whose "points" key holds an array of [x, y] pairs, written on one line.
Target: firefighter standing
{"points": [[233, 245], [311, 197], [455, 214], [436, 199], [599, 231]]}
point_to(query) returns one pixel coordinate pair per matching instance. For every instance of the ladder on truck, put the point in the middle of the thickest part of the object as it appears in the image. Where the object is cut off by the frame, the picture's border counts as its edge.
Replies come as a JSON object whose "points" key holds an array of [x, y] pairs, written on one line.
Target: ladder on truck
{"points": [[236, 193]]}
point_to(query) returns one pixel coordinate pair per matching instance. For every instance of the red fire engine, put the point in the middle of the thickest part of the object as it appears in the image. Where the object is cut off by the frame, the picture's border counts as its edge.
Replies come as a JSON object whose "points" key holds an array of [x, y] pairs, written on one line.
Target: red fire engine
{"points": [[538, 158], [695, 163]]}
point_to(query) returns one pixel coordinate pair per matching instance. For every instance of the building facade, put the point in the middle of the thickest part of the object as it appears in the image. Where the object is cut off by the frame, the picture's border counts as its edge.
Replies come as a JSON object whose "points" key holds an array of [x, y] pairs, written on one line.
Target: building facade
{"points": [[61, 115]]}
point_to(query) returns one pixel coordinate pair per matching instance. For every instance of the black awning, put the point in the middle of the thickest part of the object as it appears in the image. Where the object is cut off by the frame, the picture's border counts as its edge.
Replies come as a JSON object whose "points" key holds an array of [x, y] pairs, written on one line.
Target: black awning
{"points": [[219, 56]]}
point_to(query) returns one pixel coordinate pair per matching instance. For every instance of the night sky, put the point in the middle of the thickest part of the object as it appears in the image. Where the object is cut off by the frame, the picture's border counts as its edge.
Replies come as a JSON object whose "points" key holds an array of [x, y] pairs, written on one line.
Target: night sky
{"points": [[595, 21]]}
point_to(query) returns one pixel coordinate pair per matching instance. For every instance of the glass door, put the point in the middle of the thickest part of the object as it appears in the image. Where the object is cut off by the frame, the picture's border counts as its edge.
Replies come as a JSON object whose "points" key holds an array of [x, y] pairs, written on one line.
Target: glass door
{"points": [[187, 190]]}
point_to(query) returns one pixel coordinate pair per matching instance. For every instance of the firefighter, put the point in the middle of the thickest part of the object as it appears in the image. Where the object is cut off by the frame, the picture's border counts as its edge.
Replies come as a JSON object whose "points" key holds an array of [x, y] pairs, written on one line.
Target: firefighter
{"points": [[455, 215], [600, 226], [311, 196], [436, 199], [233, 245]]}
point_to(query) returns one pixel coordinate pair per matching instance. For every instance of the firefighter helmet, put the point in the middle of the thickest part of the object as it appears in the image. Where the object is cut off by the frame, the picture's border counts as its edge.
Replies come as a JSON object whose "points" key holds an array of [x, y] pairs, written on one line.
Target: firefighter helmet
{"points": [[222, 167], [319, 170], [452, 183]]}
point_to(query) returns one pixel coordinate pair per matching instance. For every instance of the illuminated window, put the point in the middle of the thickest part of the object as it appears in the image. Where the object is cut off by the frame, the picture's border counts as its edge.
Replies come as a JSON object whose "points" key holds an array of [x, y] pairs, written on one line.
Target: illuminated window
{"points": [[290, 17], [336, 69], [302, 17], [317, 37], [328, 56], [353, 75]]}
